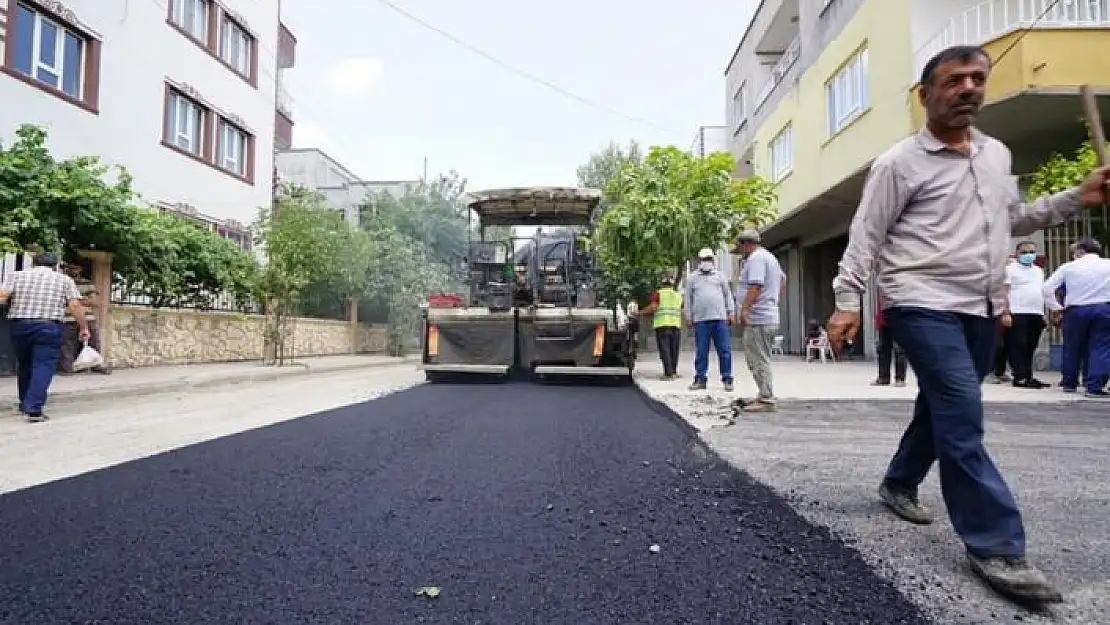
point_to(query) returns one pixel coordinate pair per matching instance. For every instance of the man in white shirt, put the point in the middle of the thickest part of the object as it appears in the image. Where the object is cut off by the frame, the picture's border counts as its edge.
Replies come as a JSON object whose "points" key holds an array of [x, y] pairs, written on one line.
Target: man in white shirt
{"points": [[1024, 318], [1086, 283]]}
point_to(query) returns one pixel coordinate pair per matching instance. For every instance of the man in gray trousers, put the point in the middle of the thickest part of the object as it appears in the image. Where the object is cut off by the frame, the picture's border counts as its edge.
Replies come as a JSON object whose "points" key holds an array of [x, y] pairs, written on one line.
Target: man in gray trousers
{"points": [[761, 280]]}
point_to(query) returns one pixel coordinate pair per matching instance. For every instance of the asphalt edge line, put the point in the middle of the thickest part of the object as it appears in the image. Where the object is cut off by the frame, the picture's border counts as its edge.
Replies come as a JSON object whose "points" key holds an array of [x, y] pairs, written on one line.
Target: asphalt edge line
{"points": [[880, 568]]}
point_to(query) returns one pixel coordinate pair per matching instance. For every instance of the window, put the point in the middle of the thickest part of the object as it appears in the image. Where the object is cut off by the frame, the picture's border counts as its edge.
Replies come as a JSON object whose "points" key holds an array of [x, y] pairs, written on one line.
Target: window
{"points": [[740, 107], [233, 149], [48, 53], [782, 153], [185, 124], [191, 16], [216, 139], [847, 93], [236, 47]]}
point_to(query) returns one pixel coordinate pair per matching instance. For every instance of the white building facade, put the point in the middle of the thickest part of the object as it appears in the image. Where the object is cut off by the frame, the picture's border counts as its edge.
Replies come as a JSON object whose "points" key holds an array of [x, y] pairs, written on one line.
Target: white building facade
{"points": [[343, 190], [182, 93]]}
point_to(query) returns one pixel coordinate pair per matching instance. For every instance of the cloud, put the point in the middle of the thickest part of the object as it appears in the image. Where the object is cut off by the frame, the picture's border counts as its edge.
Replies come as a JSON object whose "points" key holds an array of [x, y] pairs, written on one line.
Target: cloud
{"points": [[355, 76]]}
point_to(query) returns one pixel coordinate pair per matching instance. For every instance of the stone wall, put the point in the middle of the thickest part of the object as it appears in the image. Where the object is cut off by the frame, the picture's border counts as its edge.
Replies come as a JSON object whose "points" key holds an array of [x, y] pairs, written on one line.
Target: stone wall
{"points": [[143, 337]]}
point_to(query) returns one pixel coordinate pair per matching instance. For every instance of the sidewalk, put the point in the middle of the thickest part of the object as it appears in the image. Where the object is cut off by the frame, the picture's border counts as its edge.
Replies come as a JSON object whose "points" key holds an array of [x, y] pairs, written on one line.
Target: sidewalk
{"points": [[796, 380], [149, 380]]}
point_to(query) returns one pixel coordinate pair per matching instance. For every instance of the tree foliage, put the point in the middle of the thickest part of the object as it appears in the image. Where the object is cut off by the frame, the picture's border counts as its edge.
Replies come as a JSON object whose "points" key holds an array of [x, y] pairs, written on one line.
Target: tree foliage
{"points": [[82, 204], [604, 166], [1061, 172], [433, 214], [673, 204]]}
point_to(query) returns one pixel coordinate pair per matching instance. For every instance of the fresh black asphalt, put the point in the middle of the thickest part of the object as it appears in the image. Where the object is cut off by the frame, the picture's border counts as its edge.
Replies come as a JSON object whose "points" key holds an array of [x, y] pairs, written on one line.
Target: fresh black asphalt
{"points": [[522, 503]]}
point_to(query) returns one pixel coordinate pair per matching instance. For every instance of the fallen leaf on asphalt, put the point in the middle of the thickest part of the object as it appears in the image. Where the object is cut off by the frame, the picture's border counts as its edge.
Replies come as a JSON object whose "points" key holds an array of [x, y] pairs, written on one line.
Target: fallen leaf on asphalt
{"points": [[430, 592]]}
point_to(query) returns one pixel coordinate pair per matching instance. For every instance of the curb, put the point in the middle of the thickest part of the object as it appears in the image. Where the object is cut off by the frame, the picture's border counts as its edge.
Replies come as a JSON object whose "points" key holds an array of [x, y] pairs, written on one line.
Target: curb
{"points": [[210, 381]]}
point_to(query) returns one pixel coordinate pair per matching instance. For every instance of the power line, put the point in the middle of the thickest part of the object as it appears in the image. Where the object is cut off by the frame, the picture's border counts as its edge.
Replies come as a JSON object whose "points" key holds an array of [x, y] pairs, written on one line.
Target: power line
{"points": [[522, 73]]}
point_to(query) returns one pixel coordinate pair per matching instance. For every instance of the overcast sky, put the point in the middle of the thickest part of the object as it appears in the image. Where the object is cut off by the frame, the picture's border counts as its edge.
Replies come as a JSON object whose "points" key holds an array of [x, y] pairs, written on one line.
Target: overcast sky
{"points": [[380, 92]]}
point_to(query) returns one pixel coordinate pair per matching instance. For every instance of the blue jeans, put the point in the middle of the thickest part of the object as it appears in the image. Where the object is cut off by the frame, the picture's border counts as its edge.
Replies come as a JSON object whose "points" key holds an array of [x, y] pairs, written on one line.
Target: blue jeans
{"points": [[37, 346], [950, 355], [717, 332], [1087, 336]]}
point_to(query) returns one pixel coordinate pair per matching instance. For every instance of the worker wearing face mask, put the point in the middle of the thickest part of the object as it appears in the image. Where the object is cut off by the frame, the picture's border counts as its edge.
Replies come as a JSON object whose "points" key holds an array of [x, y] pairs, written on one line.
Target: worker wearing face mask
{"points": [[710, 310], [1025, 315]]}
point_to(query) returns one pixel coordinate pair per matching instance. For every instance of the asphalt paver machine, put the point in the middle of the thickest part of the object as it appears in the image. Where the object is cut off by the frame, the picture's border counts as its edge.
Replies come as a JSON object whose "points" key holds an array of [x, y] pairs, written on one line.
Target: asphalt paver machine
{"points": [[532, 306]]}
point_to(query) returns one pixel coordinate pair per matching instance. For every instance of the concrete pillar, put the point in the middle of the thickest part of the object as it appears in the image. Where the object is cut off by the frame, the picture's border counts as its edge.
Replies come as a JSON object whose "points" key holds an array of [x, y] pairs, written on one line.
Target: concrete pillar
{"points": [[352, 320], [102, 280]]}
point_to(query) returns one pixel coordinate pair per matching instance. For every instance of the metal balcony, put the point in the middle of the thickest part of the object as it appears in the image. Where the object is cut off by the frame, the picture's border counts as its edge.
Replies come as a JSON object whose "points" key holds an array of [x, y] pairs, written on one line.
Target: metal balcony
{"points": [[993, 19], [778, 73]]}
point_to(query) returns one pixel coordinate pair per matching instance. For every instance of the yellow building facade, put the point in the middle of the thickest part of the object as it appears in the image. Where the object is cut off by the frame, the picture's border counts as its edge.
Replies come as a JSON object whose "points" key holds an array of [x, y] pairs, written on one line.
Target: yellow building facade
{"points": [[842, 90]]}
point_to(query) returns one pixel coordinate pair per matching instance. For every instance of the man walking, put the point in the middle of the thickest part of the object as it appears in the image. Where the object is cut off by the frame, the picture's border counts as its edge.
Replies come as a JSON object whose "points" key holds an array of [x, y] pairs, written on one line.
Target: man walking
{"points": [[710, 311], [666, 311], [38, 299], [71, 344], [937, 213], [1024, 317], [1086, 282], [888, 350], [760, 286]]}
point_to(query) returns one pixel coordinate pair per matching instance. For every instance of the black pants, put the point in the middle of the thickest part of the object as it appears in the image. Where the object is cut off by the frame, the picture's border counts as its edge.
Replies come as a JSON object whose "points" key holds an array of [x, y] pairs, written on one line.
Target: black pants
{"points": [[1024, 335], [1002, 351], [668, 340], [888, 349]]}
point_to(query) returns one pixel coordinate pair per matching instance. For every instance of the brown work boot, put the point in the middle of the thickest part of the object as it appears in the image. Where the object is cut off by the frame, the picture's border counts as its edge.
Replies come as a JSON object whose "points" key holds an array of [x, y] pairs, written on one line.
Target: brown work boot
{"points": [[905, 506], [1016, 579]]}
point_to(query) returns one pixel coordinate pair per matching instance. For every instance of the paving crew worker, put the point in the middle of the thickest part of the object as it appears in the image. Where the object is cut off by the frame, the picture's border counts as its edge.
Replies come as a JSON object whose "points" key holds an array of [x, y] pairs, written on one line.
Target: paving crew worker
{"points": [[937, 213], [761, 279], [38, 299], [710, 310], [1086, 318], [666, 311]]}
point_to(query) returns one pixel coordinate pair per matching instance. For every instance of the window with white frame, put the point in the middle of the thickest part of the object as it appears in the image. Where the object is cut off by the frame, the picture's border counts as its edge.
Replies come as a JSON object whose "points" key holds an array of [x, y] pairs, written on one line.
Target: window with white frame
{"points": [[233, 149], [192, 17], [236, 46], [782, 153], [185, 124], [47, 51], [739, 106], [847, 93]]}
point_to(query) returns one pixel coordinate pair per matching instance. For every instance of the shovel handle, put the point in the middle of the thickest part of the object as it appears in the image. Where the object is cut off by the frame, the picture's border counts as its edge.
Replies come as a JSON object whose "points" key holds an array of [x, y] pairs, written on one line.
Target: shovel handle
{"points": [[1094, 124]]}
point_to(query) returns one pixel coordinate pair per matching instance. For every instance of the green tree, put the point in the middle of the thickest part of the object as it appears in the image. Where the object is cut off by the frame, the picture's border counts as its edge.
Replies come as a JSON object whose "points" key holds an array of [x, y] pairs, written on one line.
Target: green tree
{"points": [[674, 204], [433, 214], [604, 166], [313, 258], [1061, 172], [402, 276], [82, 204]]}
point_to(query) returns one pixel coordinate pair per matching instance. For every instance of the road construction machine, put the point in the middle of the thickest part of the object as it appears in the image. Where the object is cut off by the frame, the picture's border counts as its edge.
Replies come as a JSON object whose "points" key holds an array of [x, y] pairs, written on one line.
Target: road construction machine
{"points": [[532, 305]]}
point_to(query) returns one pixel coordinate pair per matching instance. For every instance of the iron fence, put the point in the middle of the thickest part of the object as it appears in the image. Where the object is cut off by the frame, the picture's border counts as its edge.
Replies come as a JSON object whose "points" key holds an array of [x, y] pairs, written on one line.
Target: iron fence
{"points": [[125, 295]]}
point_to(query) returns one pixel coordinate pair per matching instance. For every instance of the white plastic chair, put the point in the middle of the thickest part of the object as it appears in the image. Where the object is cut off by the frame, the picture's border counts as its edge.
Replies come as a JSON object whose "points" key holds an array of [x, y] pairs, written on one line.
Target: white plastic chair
{"points": [[777, 345], [821, 346]]}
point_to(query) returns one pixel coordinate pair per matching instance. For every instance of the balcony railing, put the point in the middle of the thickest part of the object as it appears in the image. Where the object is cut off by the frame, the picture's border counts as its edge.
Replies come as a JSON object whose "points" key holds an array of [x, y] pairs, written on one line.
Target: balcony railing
{"points": [[996, 18], [284, 102], [778, 74]]}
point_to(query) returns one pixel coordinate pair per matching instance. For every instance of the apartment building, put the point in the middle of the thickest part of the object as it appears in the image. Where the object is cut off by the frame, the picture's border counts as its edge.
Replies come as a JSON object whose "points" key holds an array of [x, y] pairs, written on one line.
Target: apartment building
{"points": [[183, 93], [343, 190], [816, 89]]}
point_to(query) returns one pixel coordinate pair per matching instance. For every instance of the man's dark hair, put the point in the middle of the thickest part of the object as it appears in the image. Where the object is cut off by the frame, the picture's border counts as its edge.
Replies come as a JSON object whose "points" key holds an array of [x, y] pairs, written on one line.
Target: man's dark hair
{"points": [[45, 259], [1024, 243], [963, 54], [1088, 245]]}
